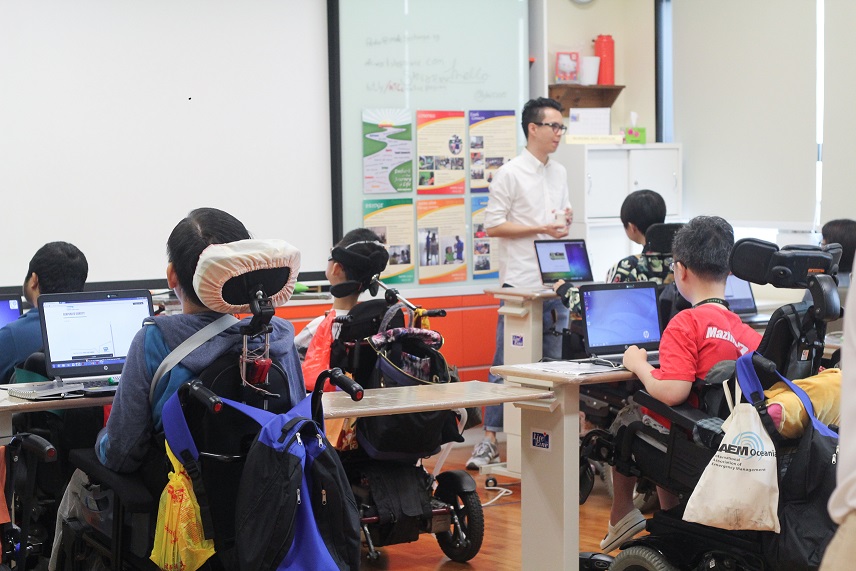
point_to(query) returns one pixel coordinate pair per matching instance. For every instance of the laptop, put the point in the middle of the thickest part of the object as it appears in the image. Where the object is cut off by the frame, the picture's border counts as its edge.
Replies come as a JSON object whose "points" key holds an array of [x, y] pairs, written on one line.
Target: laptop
{"points": [[741, 300], [563, 260], [86, 338], [10, 308], [618, 315]]}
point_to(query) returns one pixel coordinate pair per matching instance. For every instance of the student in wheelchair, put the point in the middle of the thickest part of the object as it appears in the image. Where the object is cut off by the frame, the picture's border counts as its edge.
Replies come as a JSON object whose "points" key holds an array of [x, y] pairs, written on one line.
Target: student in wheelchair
{"points": [[693, 342], [136, 412], [216, 270], [675, 454]]}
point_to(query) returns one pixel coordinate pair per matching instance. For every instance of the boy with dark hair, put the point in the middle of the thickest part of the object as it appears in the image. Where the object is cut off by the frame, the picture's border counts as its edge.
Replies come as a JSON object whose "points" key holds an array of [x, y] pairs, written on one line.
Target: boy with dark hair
{"points": [[639, 211], [693, 342], [57, 267], [354, 263]]}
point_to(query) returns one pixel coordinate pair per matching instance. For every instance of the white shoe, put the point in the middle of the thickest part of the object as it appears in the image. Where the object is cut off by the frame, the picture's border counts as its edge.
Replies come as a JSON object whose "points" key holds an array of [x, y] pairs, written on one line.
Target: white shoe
{"points": [[484, 453], [624, 530]]}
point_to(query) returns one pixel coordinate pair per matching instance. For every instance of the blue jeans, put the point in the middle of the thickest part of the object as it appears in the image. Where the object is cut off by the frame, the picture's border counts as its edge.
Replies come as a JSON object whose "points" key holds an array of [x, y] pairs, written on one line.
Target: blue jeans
{"points": [[552, 349]]}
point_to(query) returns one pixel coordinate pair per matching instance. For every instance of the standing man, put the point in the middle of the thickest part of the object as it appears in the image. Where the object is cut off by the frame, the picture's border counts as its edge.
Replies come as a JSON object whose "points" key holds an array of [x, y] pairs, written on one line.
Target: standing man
{"points": [[57, 267], [528, 201]]}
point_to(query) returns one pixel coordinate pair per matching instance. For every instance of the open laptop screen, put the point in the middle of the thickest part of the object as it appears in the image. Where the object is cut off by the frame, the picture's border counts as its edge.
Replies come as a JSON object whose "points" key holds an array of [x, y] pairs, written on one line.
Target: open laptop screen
{"points": [[89, 333], [563, 260], [617, 315], [10, 308], [738, 294]]}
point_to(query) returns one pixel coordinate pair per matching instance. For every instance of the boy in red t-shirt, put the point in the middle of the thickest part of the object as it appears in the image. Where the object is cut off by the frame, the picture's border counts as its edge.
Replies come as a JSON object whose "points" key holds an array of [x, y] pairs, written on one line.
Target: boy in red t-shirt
{"points": [[694, 340]]}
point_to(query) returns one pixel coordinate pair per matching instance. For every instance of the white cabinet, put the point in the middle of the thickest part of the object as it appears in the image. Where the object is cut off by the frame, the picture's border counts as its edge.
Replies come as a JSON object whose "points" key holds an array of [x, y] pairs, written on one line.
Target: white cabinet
{"points": [[601, 176]]}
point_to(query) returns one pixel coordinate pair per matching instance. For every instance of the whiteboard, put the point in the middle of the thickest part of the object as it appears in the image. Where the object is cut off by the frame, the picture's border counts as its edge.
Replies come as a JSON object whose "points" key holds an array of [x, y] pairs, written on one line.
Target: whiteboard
{"points": [[425, 55], [118, 118]]}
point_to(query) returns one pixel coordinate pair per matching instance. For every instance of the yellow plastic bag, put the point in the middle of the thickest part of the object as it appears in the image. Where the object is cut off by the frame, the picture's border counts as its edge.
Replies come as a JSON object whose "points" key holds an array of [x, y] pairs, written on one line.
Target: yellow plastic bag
{"points": [[179, 540]]}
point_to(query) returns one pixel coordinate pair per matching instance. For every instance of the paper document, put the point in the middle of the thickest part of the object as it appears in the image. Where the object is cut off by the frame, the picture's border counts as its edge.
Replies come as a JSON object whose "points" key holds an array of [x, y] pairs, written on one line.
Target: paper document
{"points": [[570, 368]]}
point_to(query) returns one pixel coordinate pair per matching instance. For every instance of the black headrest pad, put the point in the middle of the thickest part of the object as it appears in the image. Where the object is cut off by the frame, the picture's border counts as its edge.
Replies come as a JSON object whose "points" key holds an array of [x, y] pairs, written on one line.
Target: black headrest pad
{"points": [[240, 290]]}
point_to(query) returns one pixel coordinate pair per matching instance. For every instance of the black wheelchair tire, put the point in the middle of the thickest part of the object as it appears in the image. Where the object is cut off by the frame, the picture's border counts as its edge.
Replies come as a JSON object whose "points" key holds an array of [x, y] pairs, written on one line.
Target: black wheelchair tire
{"points": [[641, 558], [467, 506]]}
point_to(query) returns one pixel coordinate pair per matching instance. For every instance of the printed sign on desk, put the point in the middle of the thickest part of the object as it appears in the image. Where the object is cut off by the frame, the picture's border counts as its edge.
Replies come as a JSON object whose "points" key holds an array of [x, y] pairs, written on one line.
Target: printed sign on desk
{"points": [[540, 439]]}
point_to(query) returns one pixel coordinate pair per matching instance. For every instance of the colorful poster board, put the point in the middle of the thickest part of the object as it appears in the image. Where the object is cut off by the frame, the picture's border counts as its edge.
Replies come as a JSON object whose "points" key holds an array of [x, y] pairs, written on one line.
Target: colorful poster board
{"points": [[392, 220], [485, 263], [440, 144], [441, 235], [493, 142], [387, 151]]}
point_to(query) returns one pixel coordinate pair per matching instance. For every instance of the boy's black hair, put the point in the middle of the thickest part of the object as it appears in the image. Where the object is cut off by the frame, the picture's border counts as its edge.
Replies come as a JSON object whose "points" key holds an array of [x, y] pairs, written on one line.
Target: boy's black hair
{"points": [[704, 246], [61, 268], [842, 231], [643, 208], [201, 228], [362, 256], [533, 112]]}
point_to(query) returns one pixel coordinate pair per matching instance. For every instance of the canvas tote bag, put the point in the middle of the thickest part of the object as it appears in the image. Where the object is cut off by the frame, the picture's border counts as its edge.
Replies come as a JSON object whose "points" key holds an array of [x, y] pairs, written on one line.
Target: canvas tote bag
{"points": [[739, 489]]}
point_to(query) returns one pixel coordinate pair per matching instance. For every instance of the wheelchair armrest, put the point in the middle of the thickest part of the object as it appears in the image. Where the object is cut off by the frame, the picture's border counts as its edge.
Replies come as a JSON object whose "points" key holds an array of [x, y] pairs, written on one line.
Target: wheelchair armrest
{"points": [[129, 488], [682, 415]]}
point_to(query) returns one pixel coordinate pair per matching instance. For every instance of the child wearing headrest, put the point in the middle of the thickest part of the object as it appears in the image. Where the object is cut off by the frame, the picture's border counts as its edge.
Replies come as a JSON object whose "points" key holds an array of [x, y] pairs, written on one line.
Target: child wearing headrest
{"points": [[136, 415], [354, 264]]}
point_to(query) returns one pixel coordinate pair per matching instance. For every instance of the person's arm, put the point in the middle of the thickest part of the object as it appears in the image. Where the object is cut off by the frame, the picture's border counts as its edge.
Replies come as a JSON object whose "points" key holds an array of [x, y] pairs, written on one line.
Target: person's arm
{"points": [[514, 230], [123, 444], [670, 392]]}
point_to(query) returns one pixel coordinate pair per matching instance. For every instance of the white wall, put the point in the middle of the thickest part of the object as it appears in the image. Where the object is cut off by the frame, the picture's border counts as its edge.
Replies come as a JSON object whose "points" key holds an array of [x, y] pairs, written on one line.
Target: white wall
{"points": [[573, 27]]}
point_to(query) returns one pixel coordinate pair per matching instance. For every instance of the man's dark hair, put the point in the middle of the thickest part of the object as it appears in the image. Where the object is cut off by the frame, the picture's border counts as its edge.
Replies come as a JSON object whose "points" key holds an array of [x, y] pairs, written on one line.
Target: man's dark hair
{"points": [[643, 208], [61, 268], [704, 245], [201, 228], [533, 112], [842, 231]]}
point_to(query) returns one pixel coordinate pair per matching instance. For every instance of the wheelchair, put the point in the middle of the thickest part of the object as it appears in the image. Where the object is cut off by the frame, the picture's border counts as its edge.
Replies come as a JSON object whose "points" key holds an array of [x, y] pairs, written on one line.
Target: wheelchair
{"points": [[792, 345], [265, 279], [397, 497], [24, 541]]}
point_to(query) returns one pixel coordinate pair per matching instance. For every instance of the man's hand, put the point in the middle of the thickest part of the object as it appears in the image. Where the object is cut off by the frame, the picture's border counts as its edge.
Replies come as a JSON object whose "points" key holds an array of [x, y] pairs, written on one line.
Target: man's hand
{"points": [[569, 216], [556, 231], [558, 284]]}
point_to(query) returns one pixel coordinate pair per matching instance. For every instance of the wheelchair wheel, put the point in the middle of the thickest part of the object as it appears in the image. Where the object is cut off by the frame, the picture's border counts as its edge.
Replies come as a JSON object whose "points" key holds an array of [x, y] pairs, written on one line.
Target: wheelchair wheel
{"points": [[468, 508], [640, 558]]}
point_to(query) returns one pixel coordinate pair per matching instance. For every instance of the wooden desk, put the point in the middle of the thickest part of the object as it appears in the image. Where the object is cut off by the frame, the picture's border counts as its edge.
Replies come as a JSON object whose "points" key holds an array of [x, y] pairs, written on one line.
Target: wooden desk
{"points": [[550, 462], [11, 405], [523, 310], [397, 400]]}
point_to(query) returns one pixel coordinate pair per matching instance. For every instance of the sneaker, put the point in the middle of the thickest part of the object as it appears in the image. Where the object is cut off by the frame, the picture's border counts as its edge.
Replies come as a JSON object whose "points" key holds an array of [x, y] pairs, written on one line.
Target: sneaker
{"points": [[484, 453], [624, 530]]}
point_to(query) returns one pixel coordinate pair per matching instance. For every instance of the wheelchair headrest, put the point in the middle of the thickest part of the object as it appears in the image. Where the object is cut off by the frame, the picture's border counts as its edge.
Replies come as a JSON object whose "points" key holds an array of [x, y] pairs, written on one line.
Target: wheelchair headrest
{"points": [[763, 262], [229, 276], [659, 237]]}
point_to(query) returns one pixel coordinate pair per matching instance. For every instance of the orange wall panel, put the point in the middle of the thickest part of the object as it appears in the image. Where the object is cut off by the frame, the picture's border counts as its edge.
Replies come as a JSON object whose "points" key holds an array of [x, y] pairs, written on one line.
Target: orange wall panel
{"points": [[469, 328]]}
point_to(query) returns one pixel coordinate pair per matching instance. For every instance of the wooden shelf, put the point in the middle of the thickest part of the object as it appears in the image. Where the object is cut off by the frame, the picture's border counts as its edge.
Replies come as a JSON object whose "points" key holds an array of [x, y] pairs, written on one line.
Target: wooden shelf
{"points": [[571, 95]]}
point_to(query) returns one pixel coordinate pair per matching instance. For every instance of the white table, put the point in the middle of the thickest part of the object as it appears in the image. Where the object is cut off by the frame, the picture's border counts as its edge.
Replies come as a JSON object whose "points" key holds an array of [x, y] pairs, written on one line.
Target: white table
{"points": [[550, 467], [11, 405]]}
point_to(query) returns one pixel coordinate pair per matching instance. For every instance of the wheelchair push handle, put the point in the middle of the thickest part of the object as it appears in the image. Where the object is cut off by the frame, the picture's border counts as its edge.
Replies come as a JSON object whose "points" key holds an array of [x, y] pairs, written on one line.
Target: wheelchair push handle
{"points": [[341, 380], [435, 313], [203, 394], [34, 444]]}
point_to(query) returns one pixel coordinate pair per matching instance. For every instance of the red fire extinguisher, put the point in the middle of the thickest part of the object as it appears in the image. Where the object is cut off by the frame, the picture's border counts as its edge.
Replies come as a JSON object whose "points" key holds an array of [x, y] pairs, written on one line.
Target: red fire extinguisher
{"points": [[604, 48]]}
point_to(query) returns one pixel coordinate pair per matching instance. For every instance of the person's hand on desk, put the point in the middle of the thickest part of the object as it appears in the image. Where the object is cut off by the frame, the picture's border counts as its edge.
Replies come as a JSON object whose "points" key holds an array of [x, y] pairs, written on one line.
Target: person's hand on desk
{"points": [[557, 285], [636, 361]]}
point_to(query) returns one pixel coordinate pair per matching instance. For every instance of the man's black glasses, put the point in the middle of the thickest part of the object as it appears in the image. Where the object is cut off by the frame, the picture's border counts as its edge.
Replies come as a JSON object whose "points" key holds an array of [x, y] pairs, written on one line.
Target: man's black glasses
{"points": [[558, 128]]}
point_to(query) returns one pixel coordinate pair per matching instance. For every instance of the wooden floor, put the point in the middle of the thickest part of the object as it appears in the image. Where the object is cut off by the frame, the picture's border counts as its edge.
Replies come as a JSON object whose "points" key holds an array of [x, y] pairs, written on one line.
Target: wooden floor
{"points": [[501, 547]]}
